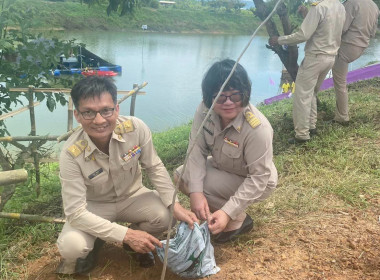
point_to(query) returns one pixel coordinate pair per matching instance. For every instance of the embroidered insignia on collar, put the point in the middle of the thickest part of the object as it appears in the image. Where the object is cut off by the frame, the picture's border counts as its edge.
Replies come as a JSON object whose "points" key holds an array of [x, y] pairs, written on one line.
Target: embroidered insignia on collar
{"points": [[252, 119], [96, 173], [232, 143], [131, 153], [316, 3], [208, 131], [77, 148], [124, 127]]}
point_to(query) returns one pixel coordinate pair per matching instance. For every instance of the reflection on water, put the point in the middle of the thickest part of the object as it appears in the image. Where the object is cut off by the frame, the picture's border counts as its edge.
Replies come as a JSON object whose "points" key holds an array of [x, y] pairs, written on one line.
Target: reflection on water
{"points": [[173, 65]]}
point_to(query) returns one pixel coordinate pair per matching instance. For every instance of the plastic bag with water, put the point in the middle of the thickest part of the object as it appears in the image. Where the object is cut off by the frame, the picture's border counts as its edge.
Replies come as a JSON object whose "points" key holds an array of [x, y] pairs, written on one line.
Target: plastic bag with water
{"points": [[191, 253]]}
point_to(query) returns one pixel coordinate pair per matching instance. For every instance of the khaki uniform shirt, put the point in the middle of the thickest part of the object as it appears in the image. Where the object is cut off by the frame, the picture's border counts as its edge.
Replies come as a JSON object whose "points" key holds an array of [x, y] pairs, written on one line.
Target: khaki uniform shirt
{"points": [[361, 22], [244, 148], [321, 28], [87, 174]]}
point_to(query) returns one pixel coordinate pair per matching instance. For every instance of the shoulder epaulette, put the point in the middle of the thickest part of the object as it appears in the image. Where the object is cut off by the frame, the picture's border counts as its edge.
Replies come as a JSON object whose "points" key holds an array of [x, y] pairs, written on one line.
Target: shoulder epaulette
{"points": [[252, 119], [124, 127], [315, 3], [77, 148]]}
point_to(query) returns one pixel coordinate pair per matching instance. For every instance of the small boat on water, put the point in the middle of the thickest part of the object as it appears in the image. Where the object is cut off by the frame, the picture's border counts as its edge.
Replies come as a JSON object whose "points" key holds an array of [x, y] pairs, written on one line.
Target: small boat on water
{"points": [[88, 62], [98, 73]]}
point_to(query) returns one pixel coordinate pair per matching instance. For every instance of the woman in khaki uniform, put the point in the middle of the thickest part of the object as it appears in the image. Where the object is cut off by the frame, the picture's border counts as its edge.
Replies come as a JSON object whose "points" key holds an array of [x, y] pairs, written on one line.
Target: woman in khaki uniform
{"points": [[231, 165]]}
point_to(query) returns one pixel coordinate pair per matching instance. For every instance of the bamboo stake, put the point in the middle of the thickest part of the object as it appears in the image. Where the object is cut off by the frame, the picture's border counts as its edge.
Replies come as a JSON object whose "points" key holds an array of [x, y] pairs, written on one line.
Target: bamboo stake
{"points": [[18, 111], [33, 133], [133, 102], [65, 90], [13, 177], [32, 218], [28, 138], [70, 115], [135, 90], [47, 90]]}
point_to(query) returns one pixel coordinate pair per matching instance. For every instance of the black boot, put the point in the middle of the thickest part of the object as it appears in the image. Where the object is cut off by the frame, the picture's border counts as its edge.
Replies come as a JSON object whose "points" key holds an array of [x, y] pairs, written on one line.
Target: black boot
{"points": [[87, 264], [144, 260], [82, 265]]}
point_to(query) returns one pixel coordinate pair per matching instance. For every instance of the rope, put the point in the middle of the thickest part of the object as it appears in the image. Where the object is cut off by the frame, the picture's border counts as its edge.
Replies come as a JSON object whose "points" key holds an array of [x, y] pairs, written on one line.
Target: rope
{"points": [[198, 133]]}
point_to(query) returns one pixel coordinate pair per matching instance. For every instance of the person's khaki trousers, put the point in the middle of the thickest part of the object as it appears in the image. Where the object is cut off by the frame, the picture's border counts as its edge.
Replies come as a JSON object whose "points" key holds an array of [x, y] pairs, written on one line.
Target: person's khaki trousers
{"points": [[347, 53], [144, 210], [310, 76]]}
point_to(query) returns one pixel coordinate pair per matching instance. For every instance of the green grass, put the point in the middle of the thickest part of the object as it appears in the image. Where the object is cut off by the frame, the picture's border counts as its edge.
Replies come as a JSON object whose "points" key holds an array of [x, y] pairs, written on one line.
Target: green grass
{"points": [[337, 170], [75, 16]]}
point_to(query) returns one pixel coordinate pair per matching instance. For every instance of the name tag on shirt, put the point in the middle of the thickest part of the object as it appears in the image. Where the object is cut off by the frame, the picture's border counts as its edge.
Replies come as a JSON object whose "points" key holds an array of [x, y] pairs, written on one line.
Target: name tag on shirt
{"points": [[96, 173]]}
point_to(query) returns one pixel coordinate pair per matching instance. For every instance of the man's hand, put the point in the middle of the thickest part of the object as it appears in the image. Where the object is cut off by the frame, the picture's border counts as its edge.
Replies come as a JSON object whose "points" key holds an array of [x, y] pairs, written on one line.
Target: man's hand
{"points": [[141, 241], [218, 221], [273, 41], [199, 205], [184, 215]]}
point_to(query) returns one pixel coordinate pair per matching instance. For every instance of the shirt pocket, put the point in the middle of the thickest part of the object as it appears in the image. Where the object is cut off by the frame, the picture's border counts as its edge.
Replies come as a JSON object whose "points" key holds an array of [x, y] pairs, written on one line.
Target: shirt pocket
{"points": [[129, 170], [231, 157], [96, 182]]}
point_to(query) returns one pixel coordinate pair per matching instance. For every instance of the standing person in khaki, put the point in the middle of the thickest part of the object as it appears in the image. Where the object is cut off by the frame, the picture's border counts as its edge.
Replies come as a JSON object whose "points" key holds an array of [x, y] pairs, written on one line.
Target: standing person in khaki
{"points": [[102, 184], [240, 170], [359, 27], [322, 31]]}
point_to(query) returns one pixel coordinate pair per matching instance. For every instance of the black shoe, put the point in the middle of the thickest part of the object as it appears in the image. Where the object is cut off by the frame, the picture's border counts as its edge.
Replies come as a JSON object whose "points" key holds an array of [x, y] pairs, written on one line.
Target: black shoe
{"points": [[224, 237], [297, 141], [313, 132], [145, 260], [343, 123]]}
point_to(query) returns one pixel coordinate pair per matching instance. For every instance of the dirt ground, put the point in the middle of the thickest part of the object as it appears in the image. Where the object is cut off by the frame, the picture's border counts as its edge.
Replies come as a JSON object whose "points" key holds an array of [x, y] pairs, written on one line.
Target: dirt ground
{"points": [[334, 245]]}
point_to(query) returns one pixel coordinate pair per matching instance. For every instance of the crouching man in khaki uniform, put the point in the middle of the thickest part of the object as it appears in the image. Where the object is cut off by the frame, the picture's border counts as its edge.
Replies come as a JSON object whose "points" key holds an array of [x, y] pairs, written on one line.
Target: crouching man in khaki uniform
{"points": [[231, 165], [322, 31], [100, 172], [359, 27]]}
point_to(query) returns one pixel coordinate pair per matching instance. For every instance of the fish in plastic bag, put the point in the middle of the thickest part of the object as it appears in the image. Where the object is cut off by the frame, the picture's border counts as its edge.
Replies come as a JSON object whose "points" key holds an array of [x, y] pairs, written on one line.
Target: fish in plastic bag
{"points": [[190, 252]]}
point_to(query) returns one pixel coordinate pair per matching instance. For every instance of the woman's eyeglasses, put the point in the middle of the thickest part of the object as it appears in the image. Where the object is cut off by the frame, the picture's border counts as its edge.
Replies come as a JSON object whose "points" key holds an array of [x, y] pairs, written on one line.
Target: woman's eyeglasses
{"points": [[235, 97]]}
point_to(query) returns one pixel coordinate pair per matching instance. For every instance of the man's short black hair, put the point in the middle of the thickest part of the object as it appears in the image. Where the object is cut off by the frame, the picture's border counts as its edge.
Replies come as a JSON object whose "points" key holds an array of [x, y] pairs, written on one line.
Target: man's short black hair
{"points": [[93, 86], [216, 76]]}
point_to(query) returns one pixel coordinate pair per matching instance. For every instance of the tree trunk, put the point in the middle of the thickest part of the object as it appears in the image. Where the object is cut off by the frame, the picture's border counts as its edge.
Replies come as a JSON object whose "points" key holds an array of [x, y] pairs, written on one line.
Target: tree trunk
{"points": [[289, 55]]}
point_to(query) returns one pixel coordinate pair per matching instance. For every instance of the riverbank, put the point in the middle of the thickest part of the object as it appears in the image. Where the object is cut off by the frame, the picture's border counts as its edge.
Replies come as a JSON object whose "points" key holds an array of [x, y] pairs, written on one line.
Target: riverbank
{"points": [[321, 222], [178, 19]]}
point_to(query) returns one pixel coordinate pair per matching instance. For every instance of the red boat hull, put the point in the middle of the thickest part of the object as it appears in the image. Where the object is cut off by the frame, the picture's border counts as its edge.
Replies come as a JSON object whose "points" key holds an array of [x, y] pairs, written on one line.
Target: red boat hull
{"points": [[98, 73]]}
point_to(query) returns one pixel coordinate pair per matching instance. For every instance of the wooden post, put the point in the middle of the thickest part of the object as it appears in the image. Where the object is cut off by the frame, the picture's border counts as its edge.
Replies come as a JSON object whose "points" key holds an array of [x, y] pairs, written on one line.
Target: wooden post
{"points": [[32, 218], [13, 177], [33, 133], [133, 102], [70, 115]]}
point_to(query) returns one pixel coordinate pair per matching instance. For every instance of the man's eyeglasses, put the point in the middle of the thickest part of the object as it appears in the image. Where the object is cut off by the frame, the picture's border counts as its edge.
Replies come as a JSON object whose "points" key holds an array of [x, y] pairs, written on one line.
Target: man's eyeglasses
{"points": [[235, 97], [90, 115]]}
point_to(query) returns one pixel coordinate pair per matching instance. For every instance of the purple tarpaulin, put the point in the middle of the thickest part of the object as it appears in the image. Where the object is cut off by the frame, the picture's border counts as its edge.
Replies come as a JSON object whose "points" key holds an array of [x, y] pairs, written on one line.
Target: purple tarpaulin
{"points": [[276, 98], [360, 74]]}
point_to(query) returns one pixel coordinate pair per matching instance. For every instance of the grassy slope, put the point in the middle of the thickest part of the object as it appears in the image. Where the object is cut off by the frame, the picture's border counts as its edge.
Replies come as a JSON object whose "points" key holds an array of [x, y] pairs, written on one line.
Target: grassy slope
{"points": [[340, 169], [70, 15]]}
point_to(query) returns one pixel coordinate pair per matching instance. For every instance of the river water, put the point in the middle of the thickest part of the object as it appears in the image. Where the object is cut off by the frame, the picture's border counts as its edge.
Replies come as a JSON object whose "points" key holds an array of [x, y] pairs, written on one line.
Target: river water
{"points": [[173, 65]]}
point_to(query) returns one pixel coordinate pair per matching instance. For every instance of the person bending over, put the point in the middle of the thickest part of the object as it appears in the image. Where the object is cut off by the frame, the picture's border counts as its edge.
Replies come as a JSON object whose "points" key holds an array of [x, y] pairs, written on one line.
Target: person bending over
{"points": [[231, 165], [100, 173]]}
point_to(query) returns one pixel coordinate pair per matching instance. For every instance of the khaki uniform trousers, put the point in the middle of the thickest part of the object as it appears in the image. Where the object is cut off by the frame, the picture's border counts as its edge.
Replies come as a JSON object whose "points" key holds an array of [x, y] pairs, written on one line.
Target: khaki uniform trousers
{"points": [[219, 186], [346, 54], [144, 209], [310, 76]]}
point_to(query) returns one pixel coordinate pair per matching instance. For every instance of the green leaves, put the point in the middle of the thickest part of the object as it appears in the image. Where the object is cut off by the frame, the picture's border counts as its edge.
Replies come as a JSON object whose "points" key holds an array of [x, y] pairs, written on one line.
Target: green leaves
{"points": [[27, 59], [50, 103]]}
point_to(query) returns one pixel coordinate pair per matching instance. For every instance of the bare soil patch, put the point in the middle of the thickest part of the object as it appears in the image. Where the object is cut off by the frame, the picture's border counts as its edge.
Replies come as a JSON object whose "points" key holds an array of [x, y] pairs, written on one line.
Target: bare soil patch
{"points": [[334, 245]]}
